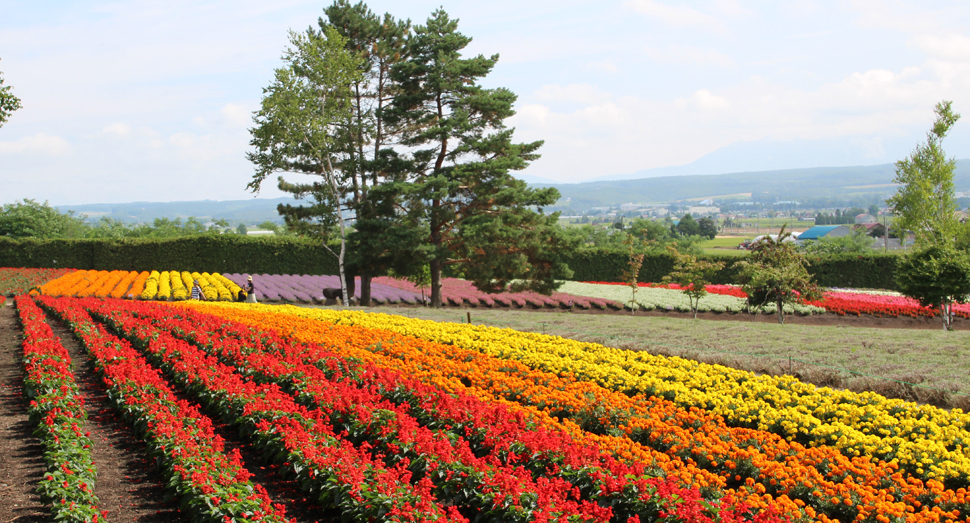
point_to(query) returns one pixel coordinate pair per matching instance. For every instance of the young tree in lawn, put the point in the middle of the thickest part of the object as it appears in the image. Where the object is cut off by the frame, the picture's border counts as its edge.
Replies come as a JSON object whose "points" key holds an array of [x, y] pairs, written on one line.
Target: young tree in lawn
{"points": [[301, 128], [631, 275], [379, 42], [8, 102], [937, 273], [777, 273], [925, 202], [938, 277], [471, 213], [692, 275]]}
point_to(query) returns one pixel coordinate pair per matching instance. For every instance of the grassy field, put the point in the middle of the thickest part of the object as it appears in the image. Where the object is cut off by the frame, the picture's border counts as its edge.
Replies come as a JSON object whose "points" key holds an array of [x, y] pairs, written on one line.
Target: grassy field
{"points": [[846, 357]]}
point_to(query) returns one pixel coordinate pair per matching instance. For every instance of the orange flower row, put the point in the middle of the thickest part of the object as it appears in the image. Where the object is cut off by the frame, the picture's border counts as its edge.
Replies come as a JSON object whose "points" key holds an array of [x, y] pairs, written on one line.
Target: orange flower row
{"points": [[700, 449]]}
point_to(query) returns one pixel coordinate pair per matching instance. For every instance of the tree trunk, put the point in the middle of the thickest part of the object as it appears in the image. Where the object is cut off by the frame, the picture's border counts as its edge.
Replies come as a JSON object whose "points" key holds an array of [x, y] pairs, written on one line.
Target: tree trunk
{"points": [[365, 280], [781, 312], [435, 266], [946, 311]]}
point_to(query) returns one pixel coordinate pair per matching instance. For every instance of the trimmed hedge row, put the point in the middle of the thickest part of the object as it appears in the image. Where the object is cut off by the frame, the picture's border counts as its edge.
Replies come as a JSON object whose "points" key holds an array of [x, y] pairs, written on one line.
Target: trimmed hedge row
{"points": [[870, 271], [204, 253], [287, 255]]}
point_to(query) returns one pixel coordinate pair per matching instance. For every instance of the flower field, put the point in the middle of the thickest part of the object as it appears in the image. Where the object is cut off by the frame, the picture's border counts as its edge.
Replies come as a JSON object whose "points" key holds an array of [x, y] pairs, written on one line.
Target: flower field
{"points": [[671, 299], [843, 302], [386, 418], [458, 292], [176, 286], [20, 281]]}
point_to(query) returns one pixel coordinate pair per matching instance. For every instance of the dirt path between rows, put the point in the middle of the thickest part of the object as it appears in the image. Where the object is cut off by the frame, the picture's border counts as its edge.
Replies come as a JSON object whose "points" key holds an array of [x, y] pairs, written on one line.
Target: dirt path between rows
{"points": [[128, 486], [21, 466], [128, 489]]}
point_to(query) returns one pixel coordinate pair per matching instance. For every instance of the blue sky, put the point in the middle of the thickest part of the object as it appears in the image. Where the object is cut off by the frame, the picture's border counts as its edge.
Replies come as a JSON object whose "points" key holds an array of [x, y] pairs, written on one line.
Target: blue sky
{"points": [[151, 101]]}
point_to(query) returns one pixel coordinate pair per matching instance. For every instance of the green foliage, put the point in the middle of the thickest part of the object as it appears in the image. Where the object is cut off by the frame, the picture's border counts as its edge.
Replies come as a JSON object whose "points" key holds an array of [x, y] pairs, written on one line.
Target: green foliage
{"points": [[454, 181], [8, 102], [302, 126], [925, 202], [687, 226], [938, 277], [707, 227], [241, 229], [29, 219], [692, 275], [227, 253], [872, 270], [777, 273], [631, 273], [270, 226], [857, 242]]}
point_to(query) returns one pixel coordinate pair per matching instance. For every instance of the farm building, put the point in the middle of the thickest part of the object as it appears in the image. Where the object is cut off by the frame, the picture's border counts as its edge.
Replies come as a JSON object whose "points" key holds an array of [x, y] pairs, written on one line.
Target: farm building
{"points": [[824, 231]]}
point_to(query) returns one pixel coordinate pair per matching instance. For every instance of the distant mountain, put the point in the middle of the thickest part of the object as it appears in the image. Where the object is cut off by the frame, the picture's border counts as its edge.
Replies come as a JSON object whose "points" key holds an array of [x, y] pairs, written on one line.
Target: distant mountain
{"points": [[849, 184], [535, 180], [775, 155], [252, 211]]}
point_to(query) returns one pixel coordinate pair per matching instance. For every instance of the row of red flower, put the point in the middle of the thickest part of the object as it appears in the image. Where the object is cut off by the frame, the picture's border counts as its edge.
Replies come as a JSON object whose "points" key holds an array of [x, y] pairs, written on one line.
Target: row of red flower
{"points": [[211, 485], [416, 424], [57, 410], [324, 460]]}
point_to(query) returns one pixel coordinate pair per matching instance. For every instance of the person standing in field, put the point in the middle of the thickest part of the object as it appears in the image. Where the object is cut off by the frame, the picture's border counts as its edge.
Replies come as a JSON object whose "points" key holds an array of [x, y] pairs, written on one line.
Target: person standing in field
{"points": [[250, 290], [197, 291]]}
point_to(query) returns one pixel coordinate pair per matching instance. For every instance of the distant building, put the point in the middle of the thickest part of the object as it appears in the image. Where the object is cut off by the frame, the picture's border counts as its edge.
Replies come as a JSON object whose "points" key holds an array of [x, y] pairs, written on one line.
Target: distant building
{"points": [[866, 218], [706, 202], [703, 210], [630, 207], [259, 233], [824, 231]]}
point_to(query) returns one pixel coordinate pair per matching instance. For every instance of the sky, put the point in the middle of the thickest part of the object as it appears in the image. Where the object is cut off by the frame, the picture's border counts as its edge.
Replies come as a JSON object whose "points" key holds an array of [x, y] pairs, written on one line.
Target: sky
{"points": [[152, 100]]}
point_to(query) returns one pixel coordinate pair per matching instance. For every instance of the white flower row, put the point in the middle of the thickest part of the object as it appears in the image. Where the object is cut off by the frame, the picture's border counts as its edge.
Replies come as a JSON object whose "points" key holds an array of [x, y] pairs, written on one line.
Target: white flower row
{"points": [[674, 300]]}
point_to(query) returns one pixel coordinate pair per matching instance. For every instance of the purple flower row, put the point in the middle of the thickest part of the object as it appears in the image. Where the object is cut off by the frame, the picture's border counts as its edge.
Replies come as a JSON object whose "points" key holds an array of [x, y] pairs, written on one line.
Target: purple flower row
{"points": [[456, 292], [303, 288]]}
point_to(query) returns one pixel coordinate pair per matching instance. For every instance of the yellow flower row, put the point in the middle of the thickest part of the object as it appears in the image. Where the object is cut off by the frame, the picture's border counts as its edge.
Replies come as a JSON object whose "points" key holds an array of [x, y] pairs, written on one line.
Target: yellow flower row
{"points": [[927, 441], [694, 438], [163, 285]]}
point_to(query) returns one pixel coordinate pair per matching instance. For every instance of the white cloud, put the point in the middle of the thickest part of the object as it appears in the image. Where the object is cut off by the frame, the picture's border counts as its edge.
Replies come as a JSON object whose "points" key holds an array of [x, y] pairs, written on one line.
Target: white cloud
{"points": [[704, 99], [685, 54], [581, 93], [183, 140], [38, 144], [118, 129], [678, 16], [236, 115], [606, 66], [953, 47]]}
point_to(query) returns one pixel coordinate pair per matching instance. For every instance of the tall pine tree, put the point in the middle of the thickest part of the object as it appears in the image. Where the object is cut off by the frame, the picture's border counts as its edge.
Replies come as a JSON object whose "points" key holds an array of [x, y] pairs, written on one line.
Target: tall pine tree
{"points": [[459, 196], [369, 146]]}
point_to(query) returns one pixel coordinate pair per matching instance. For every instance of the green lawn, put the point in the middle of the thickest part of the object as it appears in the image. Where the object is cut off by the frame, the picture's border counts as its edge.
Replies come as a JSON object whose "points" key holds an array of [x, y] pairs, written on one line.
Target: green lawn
{"points": [[847, 357]]}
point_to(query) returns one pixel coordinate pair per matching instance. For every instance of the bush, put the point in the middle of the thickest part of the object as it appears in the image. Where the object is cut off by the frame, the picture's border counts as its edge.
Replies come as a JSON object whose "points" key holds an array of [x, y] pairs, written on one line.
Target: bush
{"points": [[204, 253]]}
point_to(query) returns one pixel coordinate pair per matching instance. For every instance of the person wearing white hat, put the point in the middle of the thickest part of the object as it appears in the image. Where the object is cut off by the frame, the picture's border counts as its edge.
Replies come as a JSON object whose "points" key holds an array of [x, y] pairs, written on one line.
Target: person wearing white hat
{"points": [[250, 290]]}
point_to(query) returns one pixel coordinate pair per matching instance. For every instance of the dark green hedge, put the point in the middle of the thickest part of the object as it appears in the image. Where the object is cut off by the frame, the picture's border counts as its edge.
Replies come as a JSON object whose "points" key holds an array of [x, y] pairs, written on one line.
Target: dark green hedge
{"points": [[874, 271], [274, 255], [226, 253]]}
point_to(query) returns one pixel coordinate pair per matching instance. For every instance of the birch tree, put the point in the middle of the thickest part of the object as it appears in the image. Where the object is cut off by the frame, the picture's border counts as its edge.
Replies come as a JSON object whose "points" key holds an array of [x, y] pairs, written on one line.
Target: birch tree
{"points": [[301, 126], [8, 102]]}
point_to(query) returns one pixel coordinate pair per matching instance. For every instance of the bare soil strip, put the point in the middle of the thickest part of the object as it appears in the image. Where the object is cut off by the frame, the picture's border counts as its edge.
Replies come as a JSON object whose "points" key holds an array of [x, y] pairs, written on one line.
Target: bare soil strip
{"points": [[21, 465]]}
